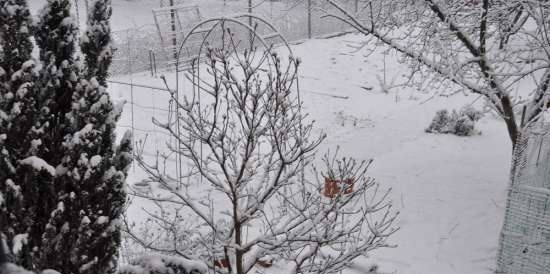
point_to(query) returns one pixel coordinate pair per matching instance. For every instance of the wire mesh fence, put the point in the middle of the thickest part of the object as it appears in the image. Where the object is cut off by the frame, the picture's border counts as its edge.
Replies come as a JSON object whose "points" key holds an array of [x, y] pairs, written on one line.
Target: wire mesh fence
{"points": [[525, 239], [151, 47]]}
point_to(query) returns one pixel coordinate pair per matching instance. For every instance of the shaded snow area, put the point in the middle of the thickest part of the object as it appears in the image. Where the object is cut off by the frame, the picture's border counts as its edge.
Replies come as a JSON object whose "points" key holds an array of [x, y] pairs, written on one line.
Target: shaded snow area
{"points": [[450, 190]]}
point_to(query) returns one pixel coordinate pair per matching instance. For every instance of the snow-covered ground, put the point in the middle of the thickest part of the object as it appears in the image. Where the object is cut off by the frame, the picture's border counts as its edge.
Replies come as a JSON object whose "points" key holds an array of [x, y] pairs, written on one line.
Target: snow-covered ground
{"points": [[450, 190]]}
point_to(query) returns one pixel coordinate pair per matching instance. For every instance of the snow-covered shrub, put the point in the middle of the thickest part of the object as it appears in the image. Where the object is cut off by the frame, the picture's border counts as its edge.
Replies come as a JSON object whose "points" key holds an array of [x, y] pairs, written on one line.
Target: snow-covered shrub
{"points": [[472, 113], [460, 123], [161, 264], [463, 126], [6, 267], [441, 123]]}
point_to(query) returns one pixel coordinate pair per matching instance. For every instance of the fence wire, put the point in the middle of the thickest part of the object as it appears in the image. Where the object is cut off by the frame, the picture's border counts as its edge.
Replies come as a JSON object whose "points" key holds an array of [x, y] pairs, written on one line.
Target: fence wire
{"points": [[525, 239], [145, 47]]}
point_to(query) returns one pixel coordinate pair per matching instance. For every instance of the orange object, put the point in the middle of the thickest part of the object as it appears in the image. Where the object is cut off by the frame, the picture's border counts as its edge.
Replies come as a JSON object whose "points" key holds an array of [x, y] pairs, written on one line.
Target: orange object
{"points": [[221, 263], [332, 187]]}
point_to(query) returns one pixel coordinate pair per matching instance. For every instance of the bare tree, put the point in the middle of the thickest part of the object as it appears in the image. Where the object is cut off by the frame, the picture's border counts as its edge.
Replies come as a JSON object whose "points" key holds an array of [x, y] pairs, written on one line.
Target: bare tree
{"points": [[246, 199], [495, 48]]}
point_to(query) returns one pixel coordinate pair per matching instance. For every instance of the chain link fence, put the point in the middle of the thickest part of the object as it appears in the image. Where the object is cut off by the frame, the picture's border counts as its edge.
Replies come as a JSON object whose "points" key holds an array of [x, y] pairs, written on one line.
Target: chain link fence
{"points": [[525, 238], [147, 47]]}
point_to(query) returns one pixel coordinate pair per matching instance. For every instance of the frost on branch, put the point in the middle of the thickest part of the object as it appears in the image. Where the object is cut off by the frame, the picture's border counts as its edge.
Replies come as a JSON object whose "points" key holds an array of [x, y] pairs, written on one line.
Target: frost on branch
{"points": [[247, 195]]}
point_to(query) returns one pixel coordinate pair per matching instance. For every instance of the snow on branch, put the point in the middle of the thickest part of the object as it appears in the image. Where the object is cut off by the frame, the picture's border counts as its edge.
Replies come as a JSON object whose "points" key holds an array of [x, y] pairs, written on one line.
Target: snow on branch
{"points": [[38, 164]]}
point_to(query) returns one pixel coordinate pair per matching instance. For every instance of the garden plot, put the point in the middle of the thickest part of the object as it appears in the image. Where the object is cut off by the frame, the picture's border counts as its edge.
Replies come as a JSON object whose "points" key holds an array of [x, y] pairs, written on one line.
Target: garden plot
{"points": [[450, 190]]}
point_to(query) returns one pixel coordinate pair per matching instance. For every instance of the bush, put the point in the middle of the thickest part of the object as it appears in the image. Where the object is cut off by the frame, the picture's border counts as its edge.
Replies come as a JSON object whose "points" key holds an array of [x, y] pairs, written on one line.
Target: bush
{"points": [[464, 126], [440, 123], [160, 264], [471, 113], [460, 123]]}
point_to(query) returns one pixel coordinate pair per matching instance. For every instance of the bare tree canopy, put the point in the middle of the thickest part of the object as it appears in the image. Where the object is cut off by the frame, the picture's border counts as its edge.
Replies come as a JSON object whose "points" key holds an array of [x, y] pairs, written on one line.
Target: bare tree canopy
{"points": [[246, 199]]}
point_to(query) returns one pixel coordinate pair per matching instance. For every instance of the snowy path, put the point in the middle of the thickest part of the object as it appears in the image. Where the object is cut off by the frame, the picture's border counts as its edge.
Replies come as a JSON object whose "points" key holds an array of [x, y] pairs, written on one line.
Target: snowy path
{"points": [[450, 190]]}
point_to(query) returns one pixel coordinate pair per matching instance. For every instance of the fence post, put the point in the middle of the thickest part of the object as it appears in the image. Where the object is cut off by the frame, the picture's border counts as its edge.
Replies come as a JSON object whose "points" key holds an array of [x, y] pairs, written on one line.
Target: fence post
{"points": [[77, 13], [173, 26], [151, 62], [130, 70], [356, 6], [309, 19], [250, 34]]}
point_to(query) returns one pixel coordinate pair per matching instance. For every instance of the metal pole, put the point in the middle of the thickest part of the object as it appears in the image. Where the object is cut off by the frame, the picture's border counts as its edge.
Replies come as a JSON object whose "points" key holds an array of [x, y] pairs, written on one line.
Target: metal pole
{"points": [[173, 26], [250, 35], [87, 9], [309, 19], [151, 62], [131, 91], [77, 13]]}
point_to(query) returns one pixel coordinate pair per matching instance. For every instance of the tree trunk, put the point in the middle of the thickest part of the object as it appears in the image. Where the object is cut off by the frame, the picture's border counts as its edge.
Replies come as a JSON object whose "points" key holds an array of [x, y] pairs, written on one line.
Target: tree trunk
{"points": [[509, 119]]}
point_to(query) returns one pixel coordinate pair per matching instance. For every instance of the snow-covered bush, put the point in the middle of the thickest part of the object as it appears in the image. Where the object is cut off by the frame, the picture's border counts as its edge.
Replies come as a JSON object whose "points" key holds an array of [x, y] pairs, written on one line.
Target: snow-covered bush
{"points": [[161, 264], [460, 123], [441, 123], [463, 126], [6, 267], [472, 113]]}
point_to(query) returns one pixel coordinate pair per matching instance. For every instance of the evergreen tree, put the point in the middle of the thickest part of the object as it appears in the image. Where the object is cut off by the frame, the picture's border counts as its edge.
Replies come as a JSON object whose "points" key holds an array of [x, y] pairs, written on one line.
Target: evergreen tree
{"points": [[56, 36], [61, 176], [91, 181], [96, 41], [24, 177], [15, 35]]}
